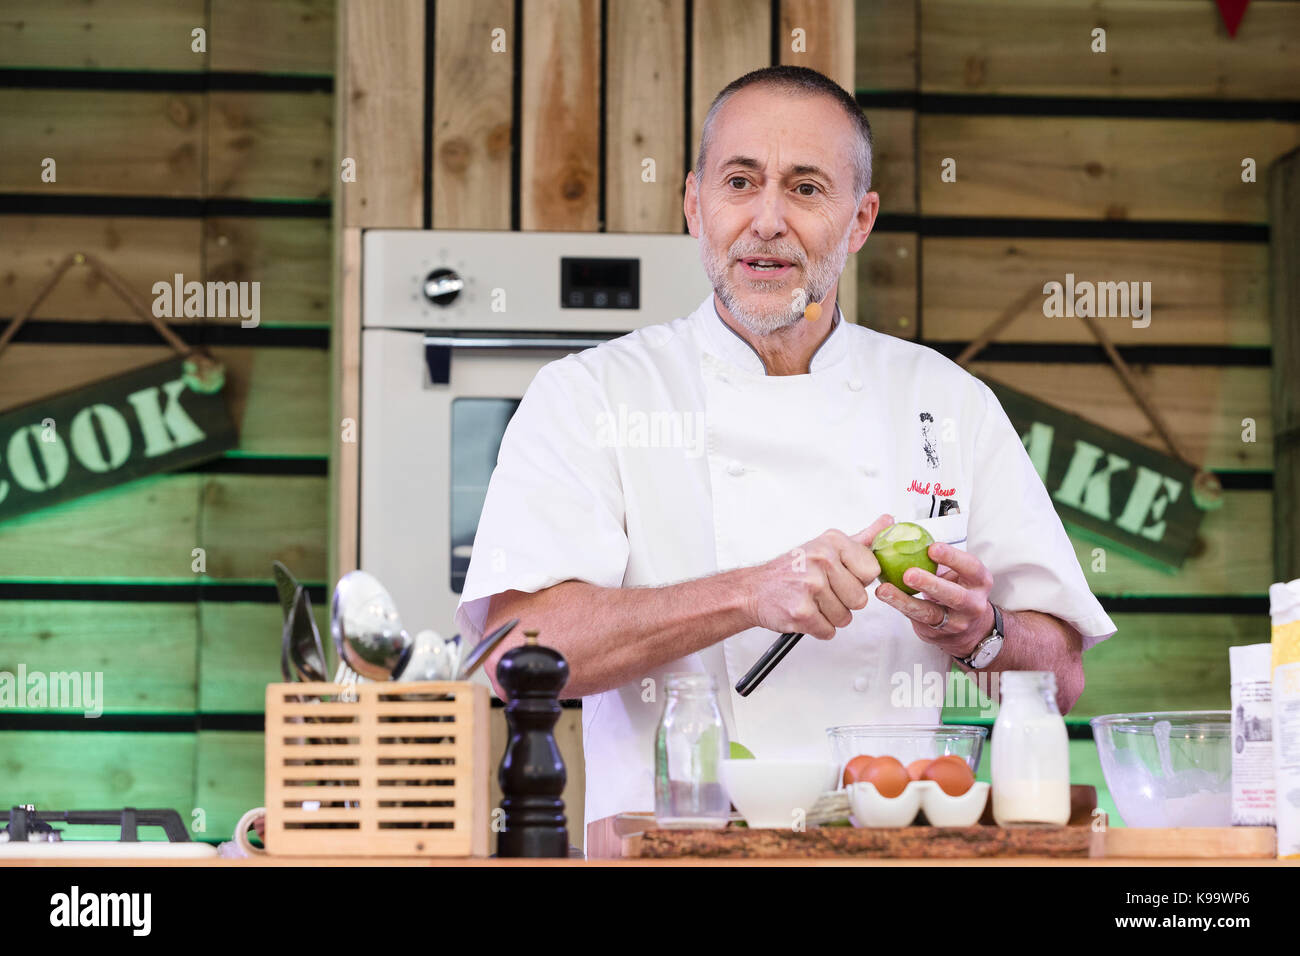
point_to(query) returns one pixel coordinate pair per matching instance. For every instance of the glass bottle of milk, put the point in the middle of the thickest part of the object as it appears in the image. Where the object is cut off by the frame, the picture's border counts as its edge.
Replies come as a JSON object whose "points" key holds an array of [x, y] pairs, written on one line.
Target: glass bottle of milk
{"points": [[1031, 752]]}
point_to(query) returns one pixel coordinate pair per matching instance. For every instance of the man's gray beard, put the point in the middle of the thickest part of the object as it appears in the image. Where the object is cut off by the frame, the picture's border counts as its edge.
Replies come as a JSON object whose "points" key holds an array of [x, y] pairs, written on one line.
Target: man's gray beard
{"points": [[818, 282]]}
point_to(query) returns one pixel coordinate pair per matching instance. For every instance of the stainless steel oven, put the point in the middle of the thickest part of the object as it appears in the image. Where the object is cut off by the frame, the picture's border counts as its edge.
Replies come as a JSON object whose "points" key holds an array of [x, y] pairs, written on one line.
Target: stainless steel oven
{"points": [[455, 326]]}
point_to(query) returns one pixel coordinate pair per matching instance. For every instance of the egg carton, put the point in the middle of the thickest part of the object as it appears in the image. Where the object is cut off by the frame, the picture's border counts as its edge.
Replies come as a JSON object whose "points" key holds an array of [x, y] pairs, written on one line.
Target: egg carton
{"points": [[871, 809], [835, 807]]}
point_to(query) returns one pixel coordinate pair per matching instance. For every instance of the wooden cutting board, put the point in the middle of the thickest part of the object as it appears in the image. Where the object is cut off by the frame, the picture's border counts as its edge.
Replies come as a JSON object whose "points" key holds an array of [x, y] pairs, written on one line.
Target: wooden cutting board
{"points": [[920, 842], [917, 842], [1215, 843], [1086, 835], [1075, 839]]}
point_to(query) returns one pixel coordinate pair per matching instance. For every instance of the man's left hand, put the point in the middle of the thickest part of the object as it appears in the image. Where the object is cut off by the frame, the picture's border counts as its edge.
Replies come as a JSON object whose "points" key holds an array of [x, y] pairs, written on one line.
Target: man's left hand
{"points": [[961, 592]]}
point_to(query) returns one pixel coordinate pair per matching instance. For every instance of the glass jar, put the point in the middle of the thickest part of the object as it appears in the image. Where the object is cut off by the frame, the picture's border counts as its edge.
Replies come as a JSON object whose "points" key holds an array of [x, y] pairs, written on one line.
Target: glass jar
{"points": [[1031, 752], [690, 745]]}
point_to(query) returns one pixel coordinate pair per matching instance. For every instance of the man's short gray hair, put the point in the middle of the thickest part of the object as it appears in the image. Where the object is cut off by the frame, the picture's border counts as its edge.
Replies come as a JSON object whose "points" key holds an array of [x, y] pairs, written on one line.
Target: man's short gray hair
{"points": [[798, 81]]}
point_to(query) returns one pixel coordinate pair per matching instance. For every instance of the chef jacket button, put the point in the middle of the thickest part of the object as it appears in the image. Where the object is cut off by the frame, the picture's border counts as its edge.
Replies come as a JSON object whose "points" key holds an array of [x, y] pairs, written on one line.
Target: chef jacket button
{"points": [[855, 385], [735, 468], [860, 684]]}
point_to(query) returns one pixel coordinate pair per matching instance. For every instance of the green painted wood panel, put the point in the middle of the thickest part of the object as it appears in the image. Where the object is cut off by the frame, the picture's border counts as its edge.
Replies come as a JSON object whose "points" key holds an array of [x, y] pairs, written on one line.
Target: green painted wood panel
{"points": [[1154, 662], [139, 532], [240, 654], [146, 531], [1165, 662], [129, 657], [229, 779], [248, 521]]}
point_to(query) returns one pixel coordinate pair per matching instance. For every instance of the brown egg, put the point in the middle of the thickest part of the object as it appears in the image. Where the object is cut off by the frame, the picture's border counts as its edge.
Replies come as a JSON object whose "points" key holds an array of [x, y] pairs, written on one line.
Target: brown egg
{"points": [[853, 769], [887, 774], [961, 760], [952, 774], [916, 769]]}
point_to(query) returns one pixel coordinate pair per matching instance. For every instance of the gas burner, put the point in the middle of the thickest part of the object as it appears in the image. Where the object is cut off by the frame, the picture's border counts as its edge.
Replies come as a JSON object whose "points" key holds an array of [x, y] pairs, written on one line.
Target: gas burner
{"points": [[24, 822]]}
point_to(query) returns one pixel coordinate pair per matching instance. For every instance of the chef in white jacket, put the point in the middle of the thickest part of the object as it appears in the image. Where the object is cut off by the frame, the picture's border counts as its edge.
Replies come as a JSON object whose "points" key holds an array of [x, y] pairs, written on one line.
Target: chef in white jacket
{"points": [[676, 498]]}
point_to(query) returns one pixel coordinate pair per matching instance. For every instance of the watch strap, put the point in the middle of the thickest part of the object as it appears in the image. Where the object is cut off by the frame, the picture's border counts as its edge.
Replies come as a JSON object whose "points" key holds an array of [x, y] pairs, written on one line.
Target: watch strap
{"points": [[997, 632]]}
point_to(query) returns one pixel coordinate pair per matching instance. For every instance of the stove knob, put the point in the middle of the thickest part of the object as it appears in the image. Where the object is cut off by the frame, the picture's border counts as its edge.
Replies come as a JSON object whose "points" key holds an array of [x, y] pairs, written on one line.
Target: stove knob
{"points": [[442, 286]]}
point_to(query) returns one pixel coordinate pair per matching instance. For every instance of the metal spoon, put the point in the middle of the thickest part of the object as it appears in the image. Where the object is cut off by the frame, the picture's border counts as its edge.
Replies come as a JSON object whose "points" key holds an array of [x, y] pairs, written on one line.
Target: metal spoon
{"points": [[431, 657], [366, 627]]}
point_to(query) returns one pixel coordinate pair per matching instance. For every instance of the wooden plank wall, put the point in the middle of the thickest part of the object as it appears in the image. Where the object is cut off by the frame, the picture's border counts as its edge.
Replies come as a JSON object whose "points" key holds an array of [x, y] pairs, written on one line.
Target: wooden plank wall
{"points": [[1284, 249], [1122, 165], [218, 165]]}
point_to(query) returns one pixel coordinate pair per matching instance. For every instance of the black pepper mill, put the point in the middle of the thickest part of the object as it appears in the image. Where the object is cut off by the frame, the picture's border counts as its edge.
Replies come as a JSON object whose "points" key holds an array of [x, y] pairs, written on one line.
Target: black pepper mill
{"points": [[532, 771]]}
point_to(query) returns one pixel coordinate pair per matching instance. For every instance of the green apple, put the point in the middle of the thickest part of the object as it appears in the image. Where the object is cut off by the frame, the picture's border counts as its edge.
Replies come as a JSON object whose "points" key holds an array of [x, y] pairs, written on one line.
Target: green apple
{"points": [[901, 546]]}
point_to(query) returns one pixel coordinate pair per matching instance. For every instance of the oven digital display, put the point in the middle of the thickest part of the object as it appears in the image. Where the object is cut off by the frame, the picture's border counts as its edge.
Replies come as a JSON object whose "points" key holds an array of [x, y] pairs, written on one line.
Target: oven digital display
{"points": [[587, 283]]}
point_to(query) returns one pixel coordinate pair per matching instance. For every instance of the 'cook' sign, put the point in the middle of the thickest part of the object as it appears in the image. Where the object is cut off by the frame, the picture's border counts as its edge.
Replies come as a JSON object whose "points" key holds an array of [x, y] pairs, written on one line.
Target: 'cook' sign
{"points": [[1105, 483], [106, 434]]}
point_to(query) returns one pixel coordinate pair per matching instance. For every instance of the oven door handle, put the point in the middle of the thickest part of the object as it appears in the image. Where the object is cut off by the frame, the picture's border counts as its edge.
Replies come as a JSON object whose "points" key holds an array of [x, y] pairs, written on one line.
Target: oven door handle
{"points": [[438, 348]]}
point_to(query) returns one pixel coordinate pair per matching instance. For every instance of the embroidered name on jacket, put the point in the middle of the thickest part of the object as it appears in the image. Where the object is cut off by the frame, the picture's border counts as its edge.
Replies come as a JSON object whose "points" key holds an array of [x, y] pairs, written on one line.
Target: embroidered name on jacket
{"points": [[931, 488]]}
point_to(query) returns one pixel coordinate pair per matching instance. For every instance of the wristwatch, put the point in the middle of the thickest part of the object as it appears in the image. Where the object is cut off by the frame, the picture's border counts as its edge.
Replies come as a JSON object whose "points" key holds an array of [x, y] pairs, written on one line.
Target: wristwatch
{"points": [[987, 649]]}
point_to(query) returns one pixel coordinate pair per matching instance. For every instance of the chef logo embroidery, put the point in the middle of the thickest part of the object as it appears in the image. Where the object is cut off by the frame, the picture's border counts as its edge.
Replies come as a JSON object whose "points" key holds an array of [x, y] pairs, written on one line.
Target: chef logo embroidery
{"points": [[927, 440], [941, 498]]}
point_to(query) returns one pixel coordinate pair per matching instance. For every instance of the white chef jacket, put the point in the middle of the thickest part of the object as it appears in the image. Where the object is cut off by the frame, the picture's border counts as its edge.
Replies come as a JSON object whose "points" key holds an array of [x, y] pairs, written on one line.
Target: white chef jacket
{"points": [[668, 454]]}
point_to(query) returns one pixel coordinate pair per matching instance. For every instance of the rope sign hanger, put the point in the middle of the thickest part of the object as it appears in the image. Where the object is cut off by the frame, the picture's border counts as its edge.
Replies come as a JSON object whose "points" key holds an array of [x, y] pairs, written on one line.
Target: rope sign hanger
{"points": [[202, 372], [1207, 492]]}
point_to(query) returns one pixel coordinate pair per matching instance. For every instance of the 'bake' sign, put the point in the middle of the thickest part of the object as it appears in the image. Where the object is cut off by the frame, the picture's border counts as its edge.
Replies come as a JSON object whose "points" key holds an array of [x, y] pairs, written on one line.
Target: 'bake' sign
{"points": [[108, 433], [1105, 483]]}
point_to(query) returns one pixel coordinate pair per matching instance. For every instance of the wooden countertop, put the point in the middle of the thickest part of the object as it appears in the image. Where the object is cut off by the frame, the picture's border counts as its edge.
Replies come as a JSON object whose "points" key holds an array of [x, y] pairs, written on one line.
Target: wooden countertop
{"points": [[616, 841], [281, 861]]}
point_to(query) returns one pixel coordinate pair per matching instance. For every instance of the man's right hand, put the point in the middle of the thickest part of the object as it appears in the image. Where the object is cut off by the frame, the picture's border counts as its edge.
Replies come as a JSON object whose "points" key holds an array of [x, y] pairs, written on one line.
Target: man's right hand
{"points": [[815, 588]]}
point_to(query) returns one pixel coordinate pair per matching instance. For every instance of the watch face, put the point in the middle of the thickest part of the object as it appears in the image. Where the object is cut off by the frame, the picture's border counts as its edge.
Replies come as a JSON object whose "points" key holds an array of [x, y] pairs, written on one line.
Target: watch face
{"points": [[987, 651]]}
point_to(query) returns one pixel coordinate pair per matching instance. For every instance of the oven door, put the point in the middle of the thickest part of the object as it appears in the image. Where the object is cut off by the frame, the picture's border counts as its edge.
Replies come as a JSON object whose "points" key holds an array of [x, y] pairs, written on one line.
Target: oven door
{"points": [[434, 408]]}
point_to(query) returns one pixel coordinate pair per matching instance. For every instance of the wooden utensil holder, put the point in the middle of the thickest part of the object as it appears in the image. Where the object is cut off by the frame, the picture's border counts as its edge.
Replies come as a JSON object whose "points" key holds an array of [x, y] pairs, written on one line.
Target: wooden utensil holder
{"points": [[377, 769]]}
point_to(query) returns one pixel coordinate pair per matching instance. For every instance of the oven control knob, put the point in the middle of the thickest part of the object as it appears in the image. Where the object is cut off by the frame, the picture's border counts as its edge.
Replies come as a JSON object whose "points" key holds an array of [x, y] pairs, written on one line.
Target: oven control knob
{"points": [[442, 286]]}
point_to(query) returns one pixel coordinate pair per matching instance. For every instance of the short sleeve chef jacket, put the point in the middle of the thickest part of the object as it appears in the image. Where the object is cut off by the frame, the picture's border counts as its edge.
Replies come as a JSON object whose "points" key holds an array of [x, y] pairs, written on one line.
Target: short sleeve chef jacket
{"points": [[668, 454]]}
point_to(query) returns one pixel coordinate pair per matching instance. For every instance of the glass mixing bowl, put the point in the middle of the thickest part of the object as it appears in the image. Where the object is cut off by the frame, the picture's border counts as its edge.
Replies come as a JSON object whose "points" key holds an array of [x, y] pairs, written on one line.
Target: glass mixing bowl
{"points": [[907, 742], [1168, 769]]}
